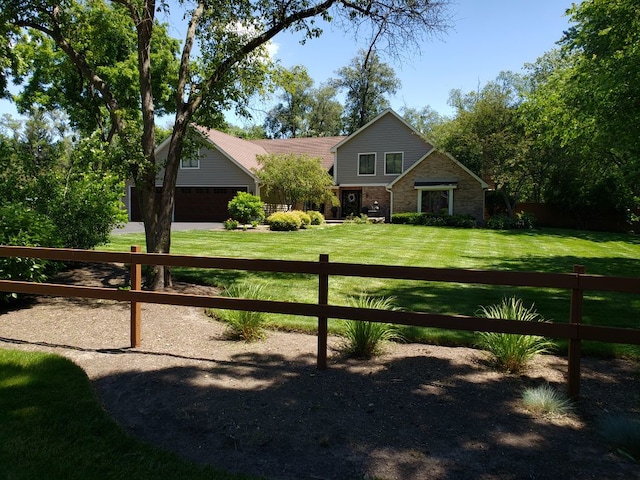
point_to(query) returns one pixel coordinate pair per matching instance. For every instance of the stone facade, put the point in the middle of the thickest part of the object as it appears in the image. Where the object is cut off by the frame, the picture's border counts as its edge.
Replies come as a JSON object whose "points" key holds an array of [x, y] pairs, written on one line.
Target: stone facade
{"points": [[468, 197]]}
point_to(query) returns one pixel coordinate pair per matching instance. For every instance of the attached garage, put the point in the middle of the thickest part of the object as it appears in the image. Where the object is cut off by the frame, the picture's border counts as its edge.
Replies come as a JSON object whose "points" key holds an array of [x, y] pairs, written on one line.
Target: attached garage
{"points": [[194, 204]]}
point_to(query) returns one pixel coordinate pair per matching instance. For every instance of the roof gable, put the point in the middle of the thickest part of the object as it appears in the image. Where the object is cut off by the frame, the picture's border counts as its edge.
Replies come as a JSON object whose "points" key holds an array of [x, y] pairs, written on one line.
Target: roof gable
{"points": [[482, 183]]}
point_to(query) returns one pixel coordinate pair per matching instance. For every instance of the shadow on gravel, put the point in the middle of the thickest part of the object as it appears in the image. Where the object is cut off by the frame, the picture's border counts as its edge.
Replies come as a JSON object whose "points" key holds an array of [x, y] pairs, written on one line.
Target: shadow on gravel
{"points": [[418, 418]]}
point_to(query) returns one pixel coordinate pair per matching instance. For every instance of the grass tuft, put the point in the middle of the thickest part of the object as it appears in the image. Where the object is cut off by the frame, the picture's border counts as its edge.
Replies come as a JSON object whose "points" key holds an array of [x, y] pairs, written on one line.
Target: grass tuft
{"points": [[623, 433], [547, 401], [364, 339], [511, 352], [245, 325]]}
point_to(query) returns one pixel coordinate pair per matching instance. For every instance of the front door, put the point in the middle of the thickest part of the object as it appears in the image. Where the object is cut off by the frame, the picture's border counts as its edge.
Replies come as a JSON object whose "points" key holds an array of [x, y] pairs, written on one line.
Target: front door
{"points": [[351, 202]]}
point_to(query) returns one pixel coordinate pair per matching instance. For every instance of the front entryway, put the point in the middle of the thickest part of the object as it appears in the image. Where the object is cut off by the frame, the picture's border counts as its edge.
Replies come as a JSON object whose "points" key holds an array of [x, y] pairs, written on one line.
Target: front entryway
{"points": [[351, 201]]}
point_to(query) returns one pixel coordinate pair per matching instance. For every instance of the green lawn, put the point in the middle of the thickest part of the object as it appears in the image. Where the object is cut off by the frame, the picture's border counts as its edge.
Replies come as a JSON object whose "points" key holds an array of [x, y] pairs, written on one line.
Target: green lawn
{"points": [[52, 427], [546, 250]]}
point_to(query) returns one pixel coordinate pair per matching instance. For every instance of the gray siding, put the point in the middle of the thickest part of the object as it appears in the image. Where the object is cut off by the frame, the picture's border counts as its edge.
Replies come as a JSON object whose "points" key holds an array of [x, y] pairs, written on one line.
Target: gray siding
{"points": [[388, 134], [215, 170]]}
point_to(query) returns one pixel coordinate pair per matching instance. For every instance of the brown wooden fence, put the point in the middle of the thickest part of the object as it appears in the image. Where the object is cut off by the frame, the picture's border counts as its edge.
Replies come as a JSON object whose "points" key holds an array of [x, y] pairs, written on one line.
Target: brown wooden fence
{"points": [[577, 282]]}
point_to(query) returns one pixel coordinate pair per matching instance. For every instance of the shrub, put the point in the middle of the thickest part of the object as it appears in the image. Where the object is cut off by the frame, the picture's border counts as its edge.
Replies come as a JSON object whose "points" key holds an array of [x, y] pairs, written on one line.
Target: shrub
{"points": [[363, 338], [546, 400], [305, 219], [284, 222], [434, 220], [522, 220], [316, 217], [623, 433], [248, 326], [357, 220], [21, 226], [246, 208], [230, 224], [512, 352]]}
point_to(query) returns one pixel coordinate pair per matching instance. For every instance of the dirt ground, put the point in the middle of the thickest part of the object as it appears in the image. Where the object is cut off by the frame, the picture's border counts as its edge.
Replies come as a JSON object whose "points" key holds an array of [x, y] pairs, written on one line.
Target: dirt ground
{"points": [[416, 412]]}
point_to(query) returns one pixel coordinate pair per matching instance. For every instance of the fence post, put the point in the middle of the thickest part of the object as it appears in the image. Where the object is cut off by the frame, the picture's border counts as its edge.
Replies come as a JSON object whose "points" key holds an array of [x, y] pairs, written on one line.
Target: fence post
{"points": [[574, 343], [136, 284], [323, 299]]}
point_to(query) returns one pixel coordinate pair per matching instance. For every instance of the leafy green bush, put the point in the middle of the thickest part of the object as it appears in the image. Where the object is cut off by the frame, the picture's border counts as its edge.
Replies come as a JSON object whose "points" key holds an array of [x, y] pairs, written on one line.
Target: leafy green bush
{"points": [[363, 338], [284, 222], [245, 325], [21, 226], [522, 220], [623, 433], [546, 400], [434, 220], [305, 218], [512, 352], [357, 219], [230, 224], [246, 208], [316, 217]]}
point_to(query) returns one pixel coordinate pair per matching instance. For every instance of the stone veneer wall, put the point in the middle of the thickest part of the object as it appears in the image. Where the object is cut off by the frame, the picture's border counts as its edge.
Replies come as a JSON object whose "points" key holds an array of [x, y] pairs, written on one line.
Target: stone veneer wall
{"points": [[468, 198]]}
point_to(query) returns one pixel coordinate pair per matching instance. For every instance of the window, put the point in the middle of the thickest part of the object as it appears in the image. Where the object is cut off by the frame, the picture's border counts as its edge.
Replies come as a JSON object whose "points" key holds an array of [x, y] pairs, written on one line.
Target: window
{"points": [[435, 201], [192, 162], [367, 164], [393, 163]]}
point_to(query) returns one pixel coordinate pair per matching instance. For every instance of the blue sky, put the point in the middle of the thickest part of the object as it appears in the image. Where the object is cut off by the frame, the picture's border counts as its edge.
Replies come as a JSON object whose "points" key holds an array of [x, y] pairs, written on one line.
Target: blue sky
{"points": [[487, 37]]}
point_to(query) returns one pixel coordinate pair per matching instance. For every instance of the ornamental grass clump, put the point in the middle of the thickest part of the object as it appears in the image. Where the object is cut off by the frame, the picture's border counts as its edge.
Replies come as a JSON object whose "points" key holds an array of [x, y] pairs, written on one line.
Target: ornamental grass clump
{"points": [[363, 339], [245, 325], [547, 401], [623, 433], [512, 352]]}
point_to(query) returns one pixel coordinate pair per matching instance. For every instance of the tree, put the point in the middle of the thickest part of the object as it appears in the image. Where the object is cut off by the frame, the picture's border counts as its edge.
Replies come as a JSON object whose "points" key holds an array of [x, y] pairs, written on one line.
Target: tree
{"points": [[288, 119], [425, 120], [485, 134], [367, 80], [291, 179], [325, 115], [231, 37]]}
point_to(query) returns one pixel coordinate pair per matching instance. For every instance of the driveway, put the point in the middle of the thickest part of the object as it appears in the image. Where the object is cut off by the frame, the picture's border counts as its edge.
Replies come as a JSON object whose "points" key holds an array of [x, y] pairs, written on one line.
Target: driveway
{"points": [[138, 227]]}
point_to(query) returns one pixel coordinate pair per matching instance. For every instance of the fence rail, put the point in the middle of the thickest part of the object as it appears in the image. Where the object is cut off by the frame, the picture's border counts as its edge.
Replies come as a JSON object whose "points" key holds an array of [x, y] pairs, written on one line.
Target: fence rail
{"points": [[577, 281]]}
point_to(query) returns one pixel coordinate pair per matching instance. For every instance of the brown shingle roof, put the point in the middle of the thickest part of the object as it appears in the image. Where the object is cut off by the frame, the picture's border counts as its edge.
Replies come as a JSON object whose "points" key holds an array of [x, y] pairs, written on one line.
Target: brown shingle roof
{"points": [[314, 147], [242, 151]]}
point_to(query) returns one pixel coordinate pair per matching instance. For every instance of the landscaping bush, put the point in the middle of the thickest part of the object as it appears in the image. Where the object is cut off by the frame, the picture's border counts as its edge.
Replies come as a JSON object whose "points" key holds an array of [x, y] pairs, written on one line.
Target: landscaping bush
{"points": [[21, 226], [522, 220], [316, 217], [512, 352], [246, 208], [305, 219], [364, 339], [230, 224], [434, 220], [284, 222], [546, 400], [248, 326], [357, 219]]}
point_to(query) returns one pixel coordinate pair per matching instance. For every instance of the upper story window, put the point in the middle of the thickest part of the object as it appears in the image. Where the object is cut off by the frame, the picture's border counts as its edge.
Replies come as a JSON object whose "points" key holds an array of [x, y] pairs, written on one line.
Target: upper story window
{"points": [[366, 164], [193, 162], [393, 163]]}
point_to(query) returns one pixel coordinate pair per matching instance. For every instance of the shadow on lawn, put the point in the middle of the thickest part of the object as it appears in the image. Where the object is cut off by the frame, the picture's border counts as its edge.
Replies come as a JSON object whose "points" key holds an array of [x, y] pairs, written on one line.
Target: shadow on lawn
{"points": [[417, 418]]}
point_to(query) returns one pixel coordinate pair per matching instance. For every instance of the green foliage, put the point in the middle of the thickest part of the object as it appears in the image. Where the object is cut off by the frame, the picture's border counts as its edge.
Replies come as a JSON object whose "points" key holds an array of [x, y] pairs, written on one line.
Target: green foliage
{"points": [[21, 226], [367, 81], [246, 208], [245, 325], [622, 433], [546, 400], [434, 220], [316, 217], [284, 221], [230, 224], [361, 219], [49, 414], [363, 338], [522, 220], [305, 218], [511, 352], [290, 179]]}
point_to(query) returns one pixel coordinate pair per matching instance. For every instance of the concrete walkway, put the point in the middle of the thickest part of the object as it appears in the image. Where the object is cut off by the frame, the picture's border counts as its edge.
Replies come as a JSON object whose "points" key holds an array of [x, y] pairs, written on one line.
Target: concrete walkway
{"points": [[138, 227]]}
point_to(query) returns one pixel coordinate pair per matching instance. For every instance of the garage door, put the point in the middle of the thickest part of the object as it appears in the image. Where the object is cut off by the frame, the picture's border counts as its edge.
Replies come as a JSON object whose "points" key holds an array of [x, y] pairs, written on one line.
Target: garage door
{"points": [[195, 204]]}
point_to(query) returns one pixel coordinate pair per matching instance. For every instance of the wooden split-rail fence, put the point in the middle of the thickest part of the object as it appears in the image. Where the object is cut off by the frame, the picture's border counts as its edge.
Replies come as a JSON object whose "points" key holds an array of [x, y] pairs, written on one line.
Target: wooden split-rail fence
{"points": [[574, 331]]}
